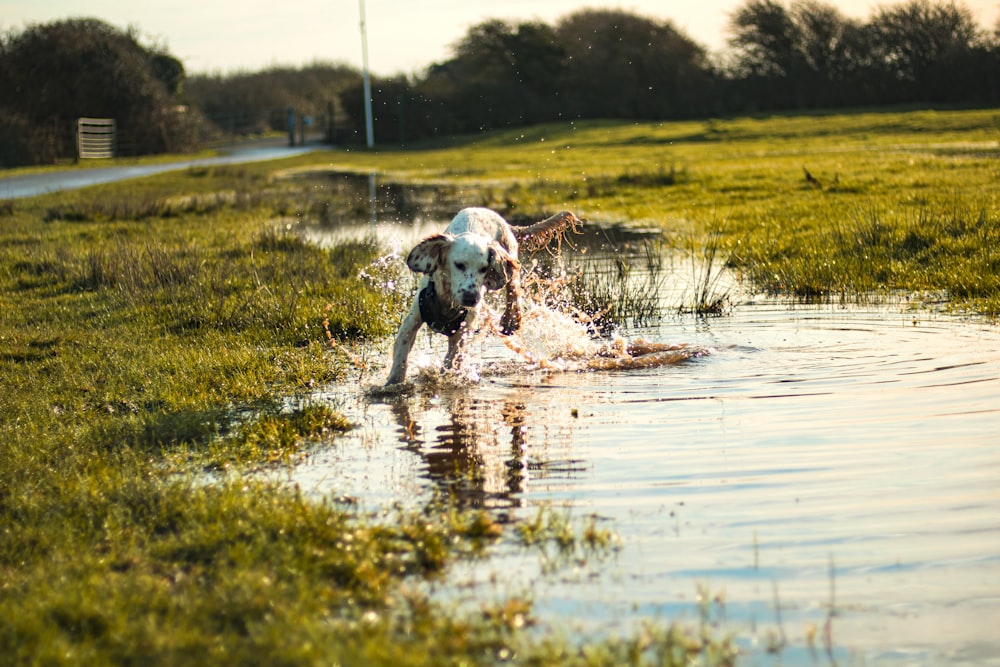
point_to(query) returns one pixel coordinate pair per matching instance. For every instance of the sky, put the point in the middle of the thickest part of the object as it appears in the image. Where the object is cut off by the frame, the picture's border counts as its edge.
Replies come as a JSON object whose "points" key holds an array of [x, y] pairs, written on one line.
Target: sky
{"points": [[404, 36]]}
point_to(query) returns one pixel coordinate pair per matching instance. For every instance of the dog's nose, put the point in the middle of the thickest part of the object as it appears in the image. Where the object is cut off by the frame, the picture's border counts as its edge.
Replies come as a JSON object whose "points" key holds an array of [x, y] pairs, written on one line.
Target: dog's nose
{"points": [[469, 299]]}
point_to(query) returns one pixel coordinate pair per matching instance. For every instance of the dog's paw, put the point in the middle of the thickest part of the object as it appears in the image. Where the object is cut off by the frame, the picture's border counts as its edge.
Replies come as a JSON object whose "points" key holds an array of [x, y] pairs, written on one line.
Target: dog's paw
{"points": [[389, 390]]}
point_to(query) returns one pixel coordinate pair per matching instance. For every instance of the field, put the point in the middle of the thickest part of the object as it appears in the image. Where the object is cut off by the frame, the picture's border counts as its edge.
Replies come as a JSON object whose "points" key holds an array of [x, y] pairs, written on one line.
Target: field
{"points": [[166, 332]]}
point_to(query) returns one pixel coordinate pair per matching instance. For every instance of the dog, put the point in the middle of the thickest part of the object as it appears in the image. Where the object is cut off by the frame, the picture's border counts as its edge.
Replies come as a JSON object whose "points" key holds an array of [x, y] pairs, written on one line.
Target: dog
{"points": [[476, 253]]}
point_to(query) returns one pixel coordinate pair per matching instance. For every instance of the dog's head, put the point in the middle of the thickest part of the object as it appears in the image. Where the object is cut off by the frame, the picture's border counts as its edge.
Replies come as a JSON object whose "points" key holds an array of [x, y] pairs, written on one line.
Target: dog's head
{"points": [[465, 265]]}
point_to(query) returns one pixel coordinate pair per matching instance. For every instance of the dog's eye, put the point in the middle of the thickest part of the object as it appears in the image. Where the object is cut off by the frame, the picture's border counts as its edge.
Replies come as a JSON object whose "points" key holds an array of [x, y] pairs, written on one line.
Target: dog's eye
{"points": [[482, 270], [460, 266]]}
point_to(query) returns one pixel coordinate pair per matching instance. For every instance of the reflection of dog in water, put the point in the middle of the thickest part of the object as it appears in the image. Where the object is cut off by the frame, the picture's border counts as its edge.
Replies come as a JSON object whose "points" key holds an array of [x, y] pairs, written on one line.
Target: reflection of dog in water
{"points": [[478, 252], [475, 450]]}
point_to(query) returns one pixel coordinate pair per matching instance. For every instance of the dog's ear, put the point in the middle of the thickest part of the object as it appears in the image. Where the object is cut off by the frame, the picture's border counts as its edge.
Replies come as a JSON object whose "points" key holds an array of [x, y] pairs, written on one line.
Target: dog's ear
{"points": [[500, 269], [429, 253]]}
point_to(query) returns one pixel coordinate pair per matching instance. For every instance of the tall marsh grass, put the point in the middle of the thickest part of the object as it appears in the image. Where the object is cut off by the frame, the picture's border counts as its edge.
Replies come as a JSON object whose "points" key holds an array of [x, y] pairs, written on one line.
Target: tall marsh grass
{"points": [[954, 251], [617, 290], [711, 291], [606, 285]]}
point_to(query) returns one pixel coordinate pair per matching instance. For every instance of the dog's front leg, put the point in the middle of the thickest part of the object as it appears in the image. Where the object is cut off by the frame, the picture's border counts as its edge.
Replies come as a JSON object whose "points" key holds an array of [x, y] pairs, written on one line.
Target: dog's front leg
{"points": [[454, 354], [404, 343], [456, 341]]}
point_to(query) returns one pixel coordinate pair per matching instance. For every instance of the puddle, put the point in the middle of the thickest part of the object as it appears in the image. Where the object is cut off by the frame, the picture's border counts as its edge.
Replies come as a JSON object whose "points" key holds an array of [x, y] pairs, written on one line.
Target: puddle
{"points": [[817, 457]]}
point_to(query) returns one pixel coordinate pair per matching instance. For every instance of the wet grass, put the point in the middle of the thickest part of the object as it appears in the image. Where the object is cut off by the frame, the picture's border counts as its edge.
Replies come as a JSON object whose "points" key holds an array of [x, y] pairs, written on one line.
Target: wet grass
{"points": [[560, 542], [940, 250], [159, 340]]}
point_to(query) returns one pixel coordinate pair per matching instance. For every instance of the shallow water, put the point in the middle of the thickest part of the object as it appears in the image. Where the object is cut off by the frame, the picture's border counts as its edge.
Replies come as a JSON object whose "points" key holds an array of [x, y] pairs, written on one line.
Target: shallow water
{"points": [[812, 458]]}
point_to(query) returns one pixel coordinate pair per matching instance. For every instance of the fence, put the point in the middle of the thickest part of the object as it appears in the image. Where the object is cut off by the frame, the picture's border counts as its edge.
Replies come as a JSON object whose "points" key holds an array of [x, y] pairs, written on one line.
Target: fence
{"points": [[95, 137]]}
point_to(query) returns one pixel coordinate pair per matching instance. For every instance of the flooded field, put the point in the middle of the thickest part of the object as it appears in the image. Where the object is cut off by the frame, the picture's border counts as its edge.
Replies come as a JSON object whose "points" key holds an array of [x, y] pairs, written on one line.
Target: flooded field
{"points": [[822, 480]]}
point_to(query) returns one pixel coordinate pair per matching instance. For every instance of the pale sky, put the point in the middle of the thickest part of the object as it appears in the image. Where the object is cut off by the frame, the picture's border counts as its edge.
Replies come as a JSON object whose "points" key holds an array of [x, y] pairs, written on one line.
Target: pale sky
{"points": [[404, 36]]}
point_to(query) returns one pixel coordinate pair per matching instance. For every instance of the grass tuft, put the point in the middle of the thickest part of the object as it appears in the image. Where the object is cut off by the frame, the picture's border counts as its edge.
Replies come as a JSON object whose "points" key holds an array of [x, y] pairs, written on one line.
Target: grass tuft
{"points": [[560, 541], [711, 295]]}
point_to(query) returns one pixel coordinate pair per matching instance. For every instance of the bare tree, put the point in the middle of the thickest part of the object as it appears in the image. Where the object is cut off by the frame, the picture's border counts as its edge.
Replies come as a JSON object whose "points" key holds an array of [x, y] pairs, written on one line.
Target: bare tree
{"points": [[924, 45], [766, 38]]}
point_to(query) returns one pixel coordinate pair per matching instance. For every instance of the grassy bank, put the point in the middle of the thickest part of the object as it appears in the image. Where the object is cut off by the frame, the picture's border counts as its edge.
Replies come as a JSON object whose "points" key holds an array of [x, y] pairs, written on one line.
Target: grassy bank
{"points": [[156, 329]]}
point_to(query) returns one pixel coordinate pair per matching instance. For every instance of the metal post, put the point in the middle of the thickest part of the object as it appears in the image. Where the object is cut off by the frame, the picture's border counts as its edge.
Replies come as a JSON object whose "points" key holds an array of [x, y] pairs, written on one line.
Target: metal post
{"points": [[372, 199], [369, 130], [331, 124], [402, 125]]}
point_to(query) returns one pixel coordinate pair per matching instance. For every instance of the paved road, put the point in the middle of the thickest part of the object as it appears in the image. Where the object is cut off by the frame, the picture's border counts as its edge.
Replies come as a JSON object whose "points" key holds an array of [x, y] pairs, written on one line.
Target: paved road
{"points": [[29, 185]]}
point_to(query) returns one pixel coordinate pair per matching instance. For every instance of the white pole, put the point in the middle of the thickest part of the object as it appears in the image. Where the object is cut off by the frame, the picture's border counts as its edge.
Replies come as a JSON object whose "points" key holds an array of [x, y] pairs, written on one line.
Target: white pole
{"points": [[369, 130]]}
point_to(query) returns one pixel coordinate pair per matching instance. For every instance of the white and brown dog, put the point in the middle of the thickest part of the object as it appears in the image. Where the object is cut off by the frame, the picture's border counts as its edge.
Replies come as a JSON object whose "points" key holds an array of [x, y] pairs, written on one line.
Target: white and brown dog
{"points": [[476, 253]]}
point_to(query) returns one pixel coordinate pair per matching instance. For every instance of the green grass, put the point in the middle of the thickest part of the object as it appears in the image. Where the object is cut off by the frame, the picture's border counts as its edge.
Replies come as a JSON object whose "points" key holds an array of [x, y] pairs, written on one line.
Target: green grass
{"points": [[161, 338]]}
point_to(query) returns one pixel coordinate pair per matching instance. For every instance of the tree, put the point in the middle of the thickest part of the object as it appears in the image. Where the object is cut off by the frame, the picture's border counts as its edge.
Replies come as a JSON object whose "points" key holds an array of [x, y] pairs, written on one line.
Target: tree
{"points": [[810, 55], [769, 63], [251, 102], [766, 39], [399, 114], [620, 65], [502, 74], [169, 70], [830, 45]]}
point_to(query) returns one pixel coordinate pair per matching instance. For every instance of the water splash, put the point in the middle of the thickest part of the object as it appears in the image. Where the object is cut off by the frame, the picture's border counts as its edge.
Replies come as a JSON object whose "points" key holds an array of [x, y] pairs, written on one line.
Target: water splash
{"points": [[384, 274], [556, 339]]}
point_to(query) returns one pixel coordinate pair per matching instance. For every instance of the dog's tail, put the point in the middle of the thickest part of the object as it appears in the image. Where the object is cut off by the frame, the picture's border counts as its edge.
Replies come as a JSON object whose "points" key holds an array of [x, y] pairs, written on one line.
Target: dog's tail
{"points": [[531, 238]]}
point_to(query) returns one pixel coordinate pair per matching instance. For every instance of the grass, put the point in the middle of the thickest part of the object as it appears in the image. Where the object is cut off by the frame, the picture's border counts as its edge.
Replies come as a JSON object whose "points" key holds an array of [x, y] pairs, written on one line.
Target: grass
{"points": [[559, 542], [931, 248], [709, 295], [156, 329], [620, 290]]}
